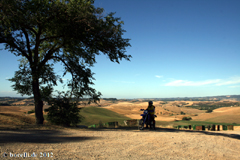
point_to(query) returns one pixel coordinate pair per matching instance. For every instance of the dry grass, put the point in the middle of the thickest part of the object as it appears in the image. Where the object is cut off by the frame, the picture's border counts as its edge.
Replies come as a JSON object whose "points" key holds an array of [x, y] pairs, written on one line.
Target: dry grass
{"points": [[226, 119], [170, 112], [16, 119], [14, 115], [23, 121], [224, 114], [9, 109]]}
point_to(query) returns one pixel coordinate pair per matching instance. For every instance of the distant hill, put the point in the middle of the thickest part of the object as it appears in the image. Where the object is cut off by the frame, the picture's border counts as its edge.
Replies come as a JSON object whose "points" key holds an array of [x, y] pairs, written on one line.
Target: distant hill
{"points": [[208, 98], [29, 101]]}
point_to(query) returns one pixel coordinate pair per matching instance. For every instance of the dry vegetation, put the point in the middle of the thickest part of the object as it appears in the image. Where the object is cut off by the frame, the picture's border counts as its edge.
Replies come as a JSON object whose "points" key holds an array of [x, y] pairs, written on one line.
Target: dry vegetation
{"points": [[165, 111], [171, 111]]}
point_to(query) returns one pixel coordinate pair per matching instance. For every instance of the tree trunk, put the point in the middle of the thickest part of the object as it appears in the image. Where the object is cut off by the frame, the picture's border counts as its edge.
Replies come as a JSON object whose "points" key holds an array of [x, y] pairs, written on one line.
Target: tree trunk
{"points": [[38, 102]]}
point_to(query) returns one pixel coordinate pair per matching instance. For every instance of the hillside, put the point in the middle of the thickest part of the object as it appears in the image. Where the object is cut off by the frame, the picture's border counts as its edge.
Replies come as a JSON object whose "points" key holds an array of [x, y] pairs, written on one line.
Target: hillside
{"points": [[224, 111]]}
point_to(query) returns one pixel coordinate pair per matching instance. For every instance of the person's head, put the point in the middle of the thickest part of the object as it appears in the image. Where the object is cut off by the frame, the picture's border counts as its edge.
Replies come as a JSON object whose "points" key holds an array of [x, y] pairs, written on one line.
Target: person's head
{"points": [[150, 103]]}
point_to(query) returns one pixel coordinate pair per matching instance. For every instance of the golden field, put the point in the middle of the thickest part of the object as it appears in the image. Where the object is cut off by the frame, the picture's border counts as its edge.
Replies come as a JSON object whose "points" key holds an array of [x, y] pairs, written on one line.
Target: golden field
{"points": [[165, 110]]}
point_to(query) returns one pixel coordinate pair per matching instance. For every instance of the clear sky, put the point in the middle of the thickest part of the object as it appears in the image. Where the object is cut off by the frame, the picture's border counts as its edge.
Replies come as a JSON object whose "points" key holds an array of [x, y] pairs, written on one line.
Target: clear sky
{"points": [[180, 48]]}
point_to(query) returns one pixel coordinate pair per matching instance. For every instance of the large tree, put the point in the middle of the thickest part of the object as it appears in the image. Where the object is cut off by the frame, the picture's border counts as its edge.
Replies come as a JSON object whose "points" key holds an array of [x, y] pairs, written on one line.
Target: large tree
{"points": [[45, 32]]}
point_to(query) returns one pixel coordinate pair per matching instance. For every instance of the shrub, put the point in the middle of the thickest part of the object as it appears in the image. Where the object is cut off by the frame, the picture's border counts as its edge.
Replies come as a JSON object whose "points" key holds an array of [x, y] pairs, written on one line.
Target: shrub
{"points": [[46, 110], [63, 112], [209, 110], [182, 113], [187, 118], [29, 112], [100, 124]]}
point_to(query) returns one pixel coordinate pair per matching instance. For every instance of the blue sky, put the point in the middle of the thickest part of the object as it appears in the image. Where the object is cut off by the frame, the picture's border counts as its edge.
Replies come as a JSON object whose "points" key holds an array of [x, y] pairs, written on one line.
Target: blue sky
{"points": [[180, 48]]}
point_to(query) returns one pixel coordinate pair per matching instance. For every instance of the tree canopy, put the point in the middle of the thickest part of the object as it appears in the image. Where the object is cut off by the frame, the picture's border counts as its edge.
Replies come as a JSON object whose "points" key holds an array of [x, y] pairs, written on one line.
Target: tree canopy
{"points": [[45, 32]]}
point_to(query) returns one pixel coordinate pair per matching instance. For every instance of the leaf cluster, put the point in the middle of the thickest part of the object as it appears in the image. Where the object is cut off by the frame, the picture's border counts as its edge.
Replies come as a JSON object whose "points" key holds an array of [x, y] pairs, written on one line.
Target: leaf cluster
{"points": [[23, 80], [63, 111]]}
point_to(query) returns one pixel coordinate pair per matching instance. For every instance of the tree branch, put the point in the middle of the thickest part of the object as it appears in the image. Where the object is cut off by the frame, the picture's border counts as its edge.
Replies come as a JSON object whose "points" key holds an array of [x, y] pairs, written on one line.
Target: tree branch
{"points": [[37, 46], [62, 60], [47, 38], [28, 45], [50, 53], [11, 42], [28, 27], [69, 68], [31, 29]]}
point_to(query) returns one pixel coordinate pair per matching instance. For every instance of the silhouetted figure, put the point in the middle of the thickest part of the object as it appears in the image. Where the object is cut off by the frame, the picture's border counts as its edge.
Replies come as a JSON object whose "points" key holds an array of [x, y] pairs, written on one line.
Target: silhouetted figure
{"points": [[151, 112]]}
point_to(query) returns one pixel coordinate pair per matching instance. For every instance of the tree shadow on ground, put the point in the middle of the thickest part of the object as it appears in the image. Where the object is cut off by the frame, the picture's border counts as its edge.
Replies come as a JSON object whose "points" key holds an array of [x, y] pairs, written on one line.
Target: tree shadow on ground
{"points": [[135, 129], [39, 136]]}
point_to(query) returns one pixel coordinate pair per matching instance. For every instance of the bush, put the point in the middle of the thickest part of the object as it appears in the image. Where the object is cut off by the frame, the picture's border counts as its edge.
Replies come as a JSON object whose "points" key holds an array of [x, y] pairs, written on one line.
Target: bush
{"points": [[209, 110], [29, 112], [182, 113], [100, 124], [46, 110], [187, 118], [63, 112]]}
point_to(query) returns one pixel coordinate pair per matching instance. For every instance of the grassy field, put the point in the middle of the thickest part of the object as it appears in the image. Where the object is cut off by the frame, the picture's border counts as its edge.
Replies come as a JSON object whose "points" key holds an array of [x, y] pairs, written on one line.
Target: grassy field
{"points": [[94, 115]]}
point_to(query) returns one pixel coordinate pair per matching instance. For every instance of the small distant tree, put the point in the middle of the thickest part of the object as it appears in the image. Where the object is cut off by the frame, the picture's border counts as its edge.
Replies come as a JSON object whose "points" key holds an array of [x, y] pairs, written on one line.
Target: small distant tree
{"points": [[31, 111], [209, 110], [187, 118], [182, 113]]}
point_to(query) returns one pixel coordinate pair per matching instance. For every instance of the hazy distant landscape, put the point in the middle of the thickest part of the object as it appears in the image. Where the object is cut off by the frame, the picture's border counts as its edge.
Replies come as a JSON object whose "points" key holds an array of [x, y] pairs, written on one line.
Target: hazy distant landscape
{"points": [[169, 111]]}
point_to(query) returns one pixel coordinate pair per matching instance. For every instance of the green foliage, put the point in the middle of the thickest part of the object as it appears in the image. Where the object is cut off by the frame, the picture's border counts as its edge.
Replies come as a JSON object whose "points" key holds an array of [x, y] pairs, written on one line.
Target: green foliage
{"points": [[182, 113], [100, 124], [187, 118], [29, 112], [46, 110], [23, 80], [209, 110], [63, 112]]}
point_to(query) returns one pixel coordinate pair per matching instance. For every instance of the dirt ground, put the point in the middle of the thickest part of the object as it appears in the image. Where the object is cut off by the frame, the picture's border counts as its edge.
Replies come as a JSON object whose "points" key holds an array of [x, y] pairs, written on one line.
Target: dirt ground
{"points": [[128, 143]]}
